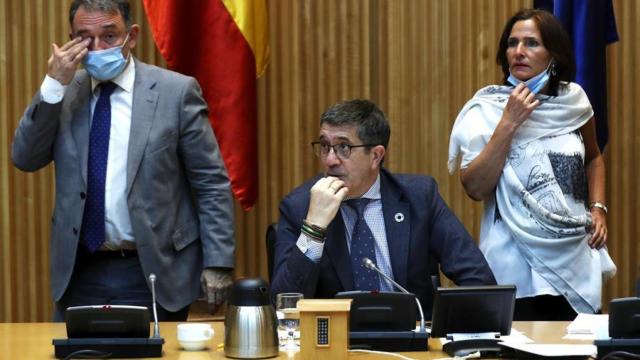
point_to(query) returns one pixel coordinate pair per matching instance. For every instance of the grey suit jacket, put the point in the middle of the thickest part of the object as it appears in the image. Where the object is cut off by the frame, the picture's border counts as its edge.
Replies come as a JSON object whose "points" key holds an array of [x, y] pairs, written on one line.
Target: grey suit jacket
{"points": [[178, 191]]}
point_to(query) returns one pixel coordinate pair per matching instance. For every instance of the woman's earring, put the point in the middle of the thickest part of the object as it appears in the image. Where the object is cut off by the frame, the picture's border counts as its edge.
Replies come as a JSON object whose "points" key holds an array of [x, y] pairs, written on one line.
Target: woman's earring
{"points": [[553, 69]]}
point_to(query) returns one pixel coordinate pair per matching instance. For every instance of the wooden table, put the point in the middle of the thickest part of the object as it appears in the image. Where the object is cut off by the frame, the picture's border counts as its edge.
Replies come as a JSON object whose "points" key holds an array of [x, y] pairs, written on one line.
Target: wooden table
{"points": [[33, 341]]}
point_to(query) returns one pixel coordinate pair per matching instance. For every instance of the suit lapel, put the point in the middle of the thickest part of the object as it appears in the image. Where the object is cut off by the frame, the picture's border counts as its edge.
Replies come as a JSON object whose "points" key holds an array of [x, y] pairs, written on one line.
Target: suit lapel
{"points": [[338, 252], [81, 120], [397, 222], [143, 111]]}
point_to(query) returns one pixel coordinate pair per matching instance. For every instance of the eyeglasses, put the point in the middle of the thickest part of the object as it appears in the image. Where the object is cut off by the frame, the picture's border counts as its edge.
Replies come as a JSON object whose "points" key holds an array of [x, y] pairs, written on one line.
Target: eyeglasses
{"points": [[343, 151]]}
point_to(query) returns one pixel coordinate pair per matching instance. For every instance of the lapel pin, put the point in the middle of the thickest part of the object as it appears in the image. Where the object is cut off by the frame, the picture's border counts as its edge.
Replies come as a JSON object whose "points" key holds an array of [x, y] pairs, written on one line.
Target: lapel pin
{"points": [[399, 217]]}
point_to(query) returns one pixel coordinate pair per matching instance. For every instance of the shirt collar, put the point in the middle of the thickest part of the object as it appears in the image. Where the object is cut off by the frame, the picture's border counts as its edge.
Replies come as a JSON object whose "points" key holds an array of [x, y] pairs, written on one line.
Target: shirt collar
{"points": [[374, 191], [124, 81]]}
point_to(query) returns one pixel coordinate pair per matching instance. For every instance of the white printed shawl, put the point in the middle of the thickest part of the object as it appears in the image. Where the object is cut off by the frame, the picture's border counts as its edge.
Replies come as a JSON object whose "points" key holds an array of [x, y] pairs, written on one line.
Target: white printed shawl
{"points": [[549, 231]]}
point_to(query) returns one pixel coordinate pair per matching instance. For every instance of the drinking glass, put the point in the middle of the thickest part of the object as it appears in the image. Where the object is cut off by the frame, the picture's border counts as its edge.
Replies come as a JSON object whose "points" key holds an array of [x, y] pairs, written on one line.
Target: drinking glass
{"points": [[288, 318]]}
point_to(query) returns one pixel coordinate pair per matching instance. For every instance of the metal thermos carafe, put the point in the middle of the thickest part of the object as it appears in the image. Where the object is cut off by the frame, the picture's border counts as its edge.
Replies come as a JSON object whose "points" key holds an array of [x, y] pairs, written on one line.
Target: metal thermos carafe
{"points": [[250, 325]]}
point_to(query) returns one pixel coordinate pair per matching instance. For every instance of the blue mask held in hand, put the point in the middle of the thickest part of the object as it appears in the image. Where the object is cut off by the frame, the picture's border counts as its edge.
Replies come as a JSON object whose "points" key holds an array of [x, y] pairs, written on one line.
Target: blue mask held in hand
{"points": [[536, 83], [105, 64]]}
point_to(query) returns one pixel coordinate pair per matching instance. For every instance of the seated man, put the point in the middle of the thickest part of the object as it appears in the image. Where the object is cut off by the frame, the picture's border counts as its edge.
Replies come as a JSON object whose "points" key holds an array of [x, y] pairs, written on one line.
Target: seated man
{"points": [[358, 209]]}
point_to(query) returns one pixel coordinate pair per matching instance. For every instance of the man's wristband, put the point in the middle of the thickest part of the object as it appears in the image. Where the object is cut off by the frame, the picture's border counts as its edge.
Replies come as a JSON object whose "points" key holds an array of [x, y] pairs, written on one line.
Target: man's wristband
{"points": [[311, 235], [313, 231], [314, 227], [599, 205]]}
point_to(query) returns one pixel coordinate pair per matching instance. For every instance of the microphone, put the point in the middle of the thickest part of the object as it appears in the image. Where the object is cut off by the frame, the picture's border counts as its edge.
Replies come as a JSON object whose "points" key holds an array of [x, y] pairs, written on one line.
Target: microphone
{"points": [[156, 328], [367, 263]]}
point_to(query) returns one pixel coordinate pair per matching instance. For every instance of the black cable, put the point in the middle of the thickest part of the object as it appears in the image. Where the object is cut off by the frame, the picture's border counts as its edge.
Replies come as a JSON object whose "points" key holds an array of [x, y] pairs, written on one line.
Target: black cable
{"points": [[620, 355], [88, 354]]}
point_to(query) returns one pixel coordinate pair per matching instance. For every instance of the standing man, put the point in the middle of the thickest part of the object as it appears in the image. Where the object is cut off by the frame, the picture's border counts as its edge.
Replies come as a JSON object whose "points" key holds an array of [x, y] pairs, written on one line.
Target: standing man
{"points": [[141, 187], [358, 209]]}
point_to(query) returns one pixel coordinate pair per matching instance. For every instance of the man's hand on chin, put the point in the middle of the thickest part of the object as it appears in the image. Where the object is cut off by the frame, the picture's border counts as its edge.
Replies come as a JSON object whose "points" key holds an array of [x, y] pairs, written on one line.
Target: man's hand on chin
{"points": [[326, 196]]}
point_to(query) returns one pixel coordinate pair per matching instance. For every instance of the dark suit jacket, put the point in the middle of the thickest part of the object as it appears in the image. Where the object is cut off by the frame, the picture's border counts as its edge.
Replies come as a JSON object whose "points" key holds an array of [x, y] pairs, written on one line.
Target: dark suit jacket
{"points": [[178, 192], [429, 229]]}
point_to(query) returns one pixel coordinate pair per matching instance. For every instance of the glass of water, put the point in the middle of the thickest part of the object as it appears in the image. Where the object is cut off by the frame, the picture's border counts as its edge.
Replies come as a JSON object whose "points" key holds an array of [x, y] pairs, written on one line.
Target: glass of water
{"points": [[288, 319]]}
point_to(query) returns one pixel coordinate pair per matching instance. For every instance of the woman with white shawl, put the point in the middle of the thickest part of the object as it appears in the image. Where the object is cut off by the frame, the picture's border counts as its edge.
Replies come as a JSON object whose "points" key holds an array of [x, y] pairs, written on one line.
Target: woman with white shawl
{"points": [[528, 150]]}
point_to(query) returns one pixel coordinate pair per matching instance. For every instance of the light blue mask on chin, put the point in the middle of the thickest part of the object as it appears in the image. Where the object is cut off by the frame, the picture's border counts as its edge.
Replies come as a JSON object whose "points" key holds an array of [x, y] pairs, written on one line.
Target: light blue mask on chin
{"points": [[105, 64], [536, 83]]}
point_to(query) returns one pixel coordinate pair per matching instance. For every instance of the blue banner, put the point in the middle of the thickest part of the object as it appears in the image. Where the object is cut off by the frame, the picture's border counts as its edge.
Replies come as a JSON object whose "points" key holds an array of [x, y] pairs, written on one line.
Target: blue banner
{"points": [[591, 24]]}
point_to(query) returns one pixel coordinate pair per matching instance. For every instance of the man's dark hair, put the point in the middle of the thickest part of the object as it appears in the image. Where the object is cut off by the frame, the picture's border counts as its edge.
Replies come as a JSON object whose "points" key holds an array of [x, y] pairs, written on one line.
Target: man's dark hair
{"points": [[554, 38], [372, 126], [108, 6]]}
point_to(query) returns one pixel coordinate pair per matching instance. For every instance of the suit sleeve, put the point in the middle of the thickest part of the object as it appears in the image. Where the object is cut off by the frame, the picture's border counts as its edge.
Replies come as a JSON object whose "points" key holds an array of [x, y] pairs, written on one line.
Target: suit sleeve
{"points": [[207, 176], [293, 271], [460, 258], [33, 142]]}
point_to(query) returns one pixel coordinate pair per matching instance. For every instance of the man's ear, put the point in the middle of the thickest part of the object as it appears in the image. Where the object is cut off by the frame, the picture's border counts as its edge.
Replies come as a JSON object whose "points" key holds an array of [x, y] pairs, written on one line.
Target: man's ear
{"points": [[378, 152], [133, 35]]}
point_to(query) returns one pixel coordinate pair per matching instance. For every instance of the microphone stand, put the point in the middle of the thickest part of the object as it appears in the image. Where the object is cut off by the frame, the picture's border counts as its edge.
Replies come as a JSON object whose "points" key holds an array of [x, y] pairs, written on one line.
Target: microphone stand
{"points": [[367, 263], [156, 328]]}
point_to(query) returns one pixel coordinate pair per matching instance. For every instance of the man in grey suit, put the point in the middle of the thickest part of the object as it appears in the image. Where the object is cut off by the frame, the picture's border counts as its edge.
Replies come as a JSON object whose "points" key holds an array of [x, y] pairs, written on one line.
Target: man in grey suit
{"points": [[141, 187]]}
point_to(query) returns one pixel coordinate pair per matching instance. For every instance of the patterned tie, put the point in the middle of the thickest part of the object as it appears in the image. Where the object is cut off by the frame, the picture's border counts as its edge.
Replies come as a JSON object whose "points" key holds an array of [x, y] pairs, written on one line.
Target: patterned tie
{"points": [[92, 233], [362, 245]]}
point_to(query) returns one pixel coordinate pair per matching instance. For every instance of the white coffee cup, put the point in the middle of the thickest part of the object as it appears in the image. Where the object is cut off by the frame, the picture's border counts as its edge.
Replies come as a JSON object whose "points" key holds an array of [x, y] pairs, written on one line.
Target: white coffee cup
{"points": [[194, 336]]}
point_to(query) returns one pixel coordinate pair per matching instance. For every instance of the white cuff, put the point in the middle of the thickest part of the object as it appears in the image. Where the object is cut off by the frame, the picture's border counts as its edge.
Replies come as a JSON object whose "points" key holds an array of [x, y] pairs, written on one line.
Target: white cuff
{"points": [[310, 248], [51, 90]]}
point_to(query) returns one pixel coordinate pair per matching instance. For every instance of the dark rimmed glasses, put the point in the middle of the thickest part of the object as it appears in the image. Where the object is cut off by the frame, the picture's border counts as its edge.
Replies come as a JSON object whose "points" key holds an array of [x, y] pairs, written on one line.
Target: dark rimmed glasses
{"points": [[342, 150]]}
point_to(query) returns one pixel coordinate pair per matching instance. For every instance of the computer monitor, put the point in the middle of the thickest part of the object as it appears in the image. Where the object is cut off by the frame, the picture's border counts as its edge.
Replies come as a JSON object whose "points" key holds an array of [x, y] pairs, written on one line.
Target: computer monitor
{"points": [[473, 309]]}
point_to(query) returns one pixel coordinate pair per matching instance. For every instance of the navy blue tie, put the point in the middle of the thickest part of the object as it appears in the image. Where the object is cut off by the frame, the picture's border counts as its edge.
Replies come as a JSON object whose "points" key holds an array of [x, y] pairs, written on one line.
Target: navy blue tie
{"points": [[93, 228], [362, 245]]}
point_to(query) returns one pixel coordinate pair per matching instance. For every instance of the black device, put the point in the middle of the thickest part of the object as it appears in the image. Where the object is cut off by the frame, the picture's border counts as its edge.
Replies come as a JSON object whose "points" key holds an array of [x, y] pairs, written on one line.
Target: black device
{"points": [[107, 321], [624, 318], [624, 327], [115, 331], [368, 264], [468, 311], [380, 311], [385, 320]]}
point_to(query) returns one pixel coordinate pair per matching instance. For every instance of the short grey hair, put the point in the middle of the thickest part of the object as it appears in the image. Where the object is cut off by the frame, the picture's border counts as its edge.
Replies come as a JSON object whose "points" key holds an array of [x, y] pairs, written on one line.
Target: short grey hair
{"points": [[372, 126]]}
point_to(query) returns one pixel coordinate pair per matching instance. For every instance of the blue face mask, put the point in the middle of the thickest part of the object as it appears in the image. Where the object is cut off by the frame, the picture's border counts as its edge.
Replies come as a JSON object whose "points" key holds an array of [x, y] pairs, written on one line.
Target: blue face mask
{"points": [[536, 83], [105, 64]]}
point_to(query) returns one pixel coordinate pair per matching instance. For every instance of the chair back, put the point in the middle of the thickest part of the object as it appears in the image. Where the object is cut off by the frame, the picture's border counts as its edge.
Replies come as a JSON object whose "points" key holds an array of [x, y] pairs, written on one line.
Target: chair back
{"points": [[270, 238]]}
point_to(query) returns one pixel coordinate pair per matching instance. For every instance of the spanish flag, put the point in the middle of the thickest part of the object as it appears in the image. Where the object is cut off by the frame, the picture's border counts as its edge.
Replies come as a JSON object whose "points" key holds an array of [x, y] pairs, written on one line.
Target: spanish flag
{"points": [[224, 45]]}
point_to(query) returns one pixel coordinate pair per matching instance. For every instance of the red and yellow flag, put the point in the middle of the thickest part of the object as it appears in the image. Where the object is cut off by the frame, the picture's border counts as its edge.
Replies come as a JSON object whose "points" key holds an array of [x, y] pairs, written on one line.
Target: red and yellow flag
{"points": [[224, 45]]}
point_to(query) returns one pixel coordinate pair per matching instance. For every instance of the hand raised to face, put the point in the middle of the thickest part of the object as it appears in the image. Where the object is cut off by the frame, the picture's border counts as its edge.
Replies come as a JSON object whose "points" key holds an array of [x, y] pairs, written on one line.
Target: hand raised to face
{"points": [[64, 60], [326, 196]]}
